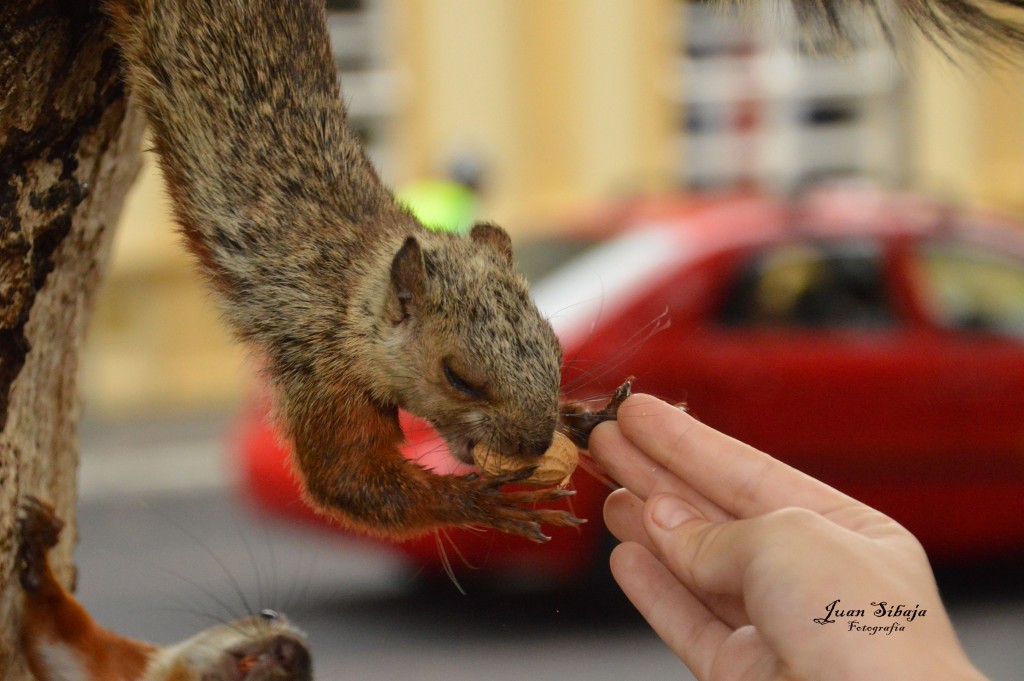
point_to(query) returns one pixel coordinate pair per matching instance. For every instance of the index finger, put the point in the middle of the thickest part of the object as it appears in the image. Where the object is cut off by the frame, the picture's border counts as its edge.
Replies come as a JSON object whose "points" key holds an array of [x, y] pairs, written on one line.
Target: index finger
{"points": [[637, 472], [737, 477]]}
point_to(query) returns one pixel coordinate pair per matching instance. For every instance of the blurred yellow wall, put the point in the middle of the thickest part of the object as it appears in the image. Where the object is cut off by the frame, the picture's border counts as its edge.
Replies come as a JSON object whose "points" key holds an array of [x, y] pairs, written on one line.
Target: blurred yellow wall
{"points": [[564, 101], [1001, 140], [155, 345], [968, 127]]}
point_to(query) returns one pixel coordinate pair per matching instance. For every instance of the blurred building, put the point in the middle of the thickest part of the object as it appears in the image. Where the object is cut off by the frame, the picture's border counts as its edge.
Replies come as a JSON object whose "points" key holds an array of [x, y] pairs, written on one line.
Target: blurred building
{"points": [[762, 109], [566, 102]]}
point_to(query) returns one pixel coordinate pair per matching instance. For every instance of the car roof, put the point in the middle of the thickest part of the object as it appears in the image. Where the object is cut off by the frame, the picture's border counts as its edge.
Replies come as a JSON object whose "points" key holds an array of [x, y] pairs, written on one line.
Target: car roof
{"points": [[646, 239], [823, 210]]}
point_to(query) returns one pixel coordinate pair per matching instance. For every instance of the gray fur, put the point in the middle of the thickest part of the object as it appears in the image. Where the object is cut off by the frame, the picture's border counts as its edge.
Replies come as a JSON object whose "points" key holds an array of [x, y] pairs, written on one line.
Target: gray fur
{"points": [[299, 237]]}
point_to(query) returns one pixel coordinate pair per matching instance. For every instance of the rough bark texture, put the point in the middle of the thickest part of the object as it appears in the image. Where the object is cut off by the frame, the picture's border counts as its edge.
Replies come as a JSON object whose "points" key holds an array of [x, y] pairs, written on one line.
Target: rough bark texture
{"points": [[68, 153]]}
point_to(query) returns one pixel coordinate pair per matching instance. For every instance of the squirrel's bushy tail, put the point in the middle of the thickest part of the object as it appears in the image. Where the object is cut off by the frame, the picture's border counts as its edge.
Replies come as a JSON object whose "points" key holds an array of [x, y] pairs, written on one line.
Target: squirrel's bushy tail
{"points": [[972, 24]]}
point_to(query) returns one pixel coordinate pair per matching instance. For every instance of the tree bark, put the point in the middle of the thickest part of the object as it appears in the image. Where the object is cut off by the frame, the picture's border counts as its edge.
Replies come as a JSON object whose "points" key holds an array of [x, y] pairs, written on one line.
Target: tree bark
{"points": [[69, 146]]}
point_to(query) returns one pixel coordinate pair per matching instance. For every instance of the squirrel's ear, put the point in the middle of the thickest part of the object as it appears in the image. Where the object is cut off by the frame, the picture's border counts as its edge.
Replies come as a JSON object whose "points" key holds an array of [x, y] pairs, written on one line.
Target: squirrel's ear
{"points": [[495, 237], [408, 277]]}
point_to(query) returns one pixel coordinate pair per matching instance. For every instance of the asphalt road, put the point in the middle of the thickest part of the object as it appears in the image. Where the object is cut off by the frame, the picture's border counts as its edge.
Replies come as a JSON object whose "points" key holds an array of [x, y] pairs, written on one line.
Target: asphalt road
{"points": [[167, 548]]}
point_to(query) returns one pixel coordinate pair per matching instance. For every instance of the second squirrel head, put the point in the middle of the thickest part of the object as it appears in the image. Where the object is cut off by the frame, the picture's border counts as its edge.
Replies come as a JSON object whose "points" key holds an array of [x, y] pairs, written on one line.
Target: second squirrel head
{"points": [[467, 348], [263, 647]]}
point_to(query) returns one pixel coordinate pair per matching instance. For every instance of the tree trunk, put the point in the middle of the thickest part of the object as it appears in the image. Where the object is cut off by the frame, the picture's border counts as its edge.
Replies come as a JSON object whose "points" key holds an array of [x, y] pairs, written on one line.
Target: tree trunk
{"points": [[68, 153]]}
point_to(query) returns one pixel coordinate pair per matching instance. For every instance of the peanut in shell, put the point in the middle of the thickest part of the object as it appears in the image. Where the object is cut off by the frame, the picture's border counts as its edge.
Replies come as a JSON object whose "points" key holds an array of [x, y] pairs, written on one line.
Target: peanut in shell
{"points": [[554, 467]]}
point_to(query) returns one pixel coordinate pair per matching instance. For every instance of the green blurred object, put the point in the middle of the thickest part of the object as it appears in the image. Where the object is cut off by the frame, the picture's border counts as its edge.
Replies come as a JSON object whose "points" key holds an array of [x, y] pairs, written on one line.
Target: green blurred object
{"points": [[441, 205]]}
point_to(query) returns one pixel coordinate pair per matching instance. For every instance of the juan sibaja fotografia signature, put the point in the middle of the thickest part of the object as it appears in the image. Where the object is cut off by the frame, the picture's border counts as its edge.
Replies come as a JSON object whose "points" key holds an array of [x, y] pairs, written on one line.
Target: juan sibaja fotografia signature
{"points": [[880, 610]]}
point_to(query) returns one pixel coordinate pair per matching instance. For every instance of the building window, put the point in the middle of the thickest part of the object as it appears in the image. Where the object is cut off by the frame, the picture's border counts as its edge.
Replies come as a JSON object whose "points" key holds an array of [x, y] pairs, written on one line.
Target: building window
{"points": [[358, 42], [760, 108]]}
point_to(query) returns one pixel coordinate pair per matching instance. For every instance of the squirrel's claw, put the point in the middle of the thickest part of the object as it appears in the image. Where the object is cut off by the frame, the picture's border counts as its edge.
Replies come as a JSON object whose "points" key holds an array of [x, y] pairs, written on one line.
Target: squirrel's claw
{"points": [[578, 423], [506, 512], [620, 395], [531, 529], [38, 524], [39, 530]]}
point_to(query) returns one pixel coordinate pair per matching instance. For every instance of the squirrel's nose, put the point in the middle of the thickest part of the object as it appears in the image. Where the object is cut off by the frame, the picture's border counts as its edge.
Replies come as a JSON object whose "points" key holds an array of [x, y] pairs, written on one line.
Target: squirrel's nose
{"points": [[292, 657]]}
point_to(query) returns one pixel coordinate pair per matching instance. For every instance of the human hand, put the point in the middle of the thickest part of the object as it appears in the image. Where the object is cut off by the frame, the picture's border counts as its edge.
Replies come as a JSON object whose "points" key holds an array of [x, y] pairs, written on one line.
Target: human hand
{"points": [[732, 555]]}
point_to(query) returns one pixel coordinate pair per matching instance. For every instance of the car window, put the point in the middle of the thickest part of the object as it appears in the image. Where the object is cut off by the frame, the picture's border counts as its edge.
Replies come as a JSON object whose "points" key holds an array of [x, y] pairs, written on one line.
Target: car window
{"points": [[811, 285], [966, 287]]}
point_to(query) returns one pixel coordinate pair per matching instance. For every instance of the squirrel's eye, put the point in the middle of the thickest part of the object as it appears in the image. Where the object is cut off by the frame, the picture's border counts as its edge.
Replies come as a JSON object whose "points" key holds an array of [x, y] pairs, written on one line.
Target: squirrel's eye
{"points": [[461, 384]]}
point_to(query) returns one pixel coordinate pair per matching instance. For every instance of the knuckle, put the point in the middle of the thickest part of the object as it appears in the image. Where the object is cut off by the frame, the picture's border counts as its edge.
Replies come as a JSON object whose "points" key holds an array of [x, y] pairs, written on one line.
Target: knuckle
{"points": [[697, 549], [794, 519], [749, 490]]}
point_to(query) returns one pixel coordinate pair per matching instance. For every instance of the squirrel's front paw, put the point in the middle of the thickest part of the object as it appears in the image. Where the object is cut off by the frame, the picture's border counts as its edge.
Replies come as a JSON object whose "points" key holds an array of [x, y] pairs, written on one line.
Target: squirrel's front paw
{"points": [[489, 506], [39, 530]]}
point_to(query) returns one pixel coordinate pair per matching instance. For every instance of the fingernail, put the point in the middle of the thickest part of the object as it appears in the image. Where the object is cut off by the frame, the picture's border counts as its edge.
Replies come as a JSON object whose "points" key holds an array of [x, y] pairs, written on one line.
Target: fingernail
{"points": [[669, 512]]}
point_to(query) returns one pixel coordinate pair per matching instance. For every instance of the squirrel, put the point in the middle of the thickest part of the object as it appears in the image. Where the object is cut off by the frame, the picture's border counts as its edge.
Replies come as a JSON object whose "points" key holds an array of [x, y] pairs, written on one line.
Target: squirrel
{"points": [[358, 309], [62, 642]]}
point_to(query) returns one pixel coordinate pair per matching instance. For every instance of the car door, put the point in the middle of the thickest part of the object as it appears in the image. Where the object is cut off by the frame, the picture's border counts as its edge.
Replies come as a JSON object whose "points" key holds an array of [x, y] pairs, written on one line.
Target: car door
{"points": [[970, 297]]}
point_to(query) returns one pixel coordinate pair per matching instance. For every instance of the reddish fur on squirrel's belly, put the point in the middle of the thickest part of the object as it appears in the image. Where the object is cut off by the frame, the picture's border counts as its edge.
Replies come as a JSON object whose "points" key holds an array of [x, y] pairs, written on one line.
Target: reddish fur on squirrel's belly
{"points": [[62, 660], [72, 655], [54, 660]]}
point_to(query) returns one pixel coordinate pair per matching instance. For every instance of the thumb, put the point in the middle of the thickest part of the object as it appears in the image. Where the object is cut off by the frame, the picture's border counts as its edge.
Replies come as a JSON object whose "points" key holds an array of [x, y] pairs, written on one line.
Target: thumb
{"points": [[705, 556]]}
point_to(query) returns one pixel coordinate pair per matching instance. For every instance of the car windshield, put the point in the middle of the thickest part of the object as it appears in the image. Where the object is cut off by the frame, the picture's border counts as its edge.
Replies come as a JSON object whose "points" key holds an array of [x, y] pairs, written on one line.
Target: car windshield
{"points": [[599, 281], [969, 288], [811, 285]]}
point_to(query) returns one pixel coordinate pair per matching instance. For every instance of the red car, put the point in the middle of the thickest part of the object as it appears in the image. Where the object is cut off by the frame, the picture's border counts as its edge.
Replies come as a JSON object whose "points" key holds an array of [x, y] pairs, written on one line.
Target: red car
{"points": [[874, 340]]}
